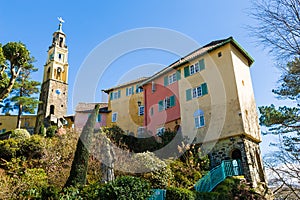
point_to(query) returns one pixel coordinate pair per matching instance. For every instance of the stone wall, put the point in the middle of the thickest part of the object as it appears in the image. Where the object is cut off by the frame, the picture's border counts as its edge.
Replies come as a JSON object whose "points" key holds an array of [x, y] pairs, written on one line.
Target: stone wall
{"points": [[241, 148]]}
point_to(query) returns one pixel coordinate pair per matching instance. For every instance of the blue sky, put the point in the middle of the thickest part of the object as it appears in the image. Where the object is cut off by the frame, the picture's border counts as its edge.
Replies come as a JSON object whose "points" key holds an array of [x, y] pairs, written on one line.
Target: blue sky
{"points": [[89, 23]]}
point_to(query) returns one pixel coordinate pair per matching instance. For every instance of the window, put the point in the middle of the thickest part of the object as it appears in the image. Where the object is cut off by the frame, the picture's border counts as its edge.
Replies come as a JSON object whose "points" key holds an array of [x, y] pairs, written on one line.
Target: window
{"points": [[199, 118], [140, 131], [196, 92], [166, 103], [115, 95], [139, 89], [99, 118], [192, 69], [160, 131], [52, 110], [61, 41], [141, 110], [129, 91], [153, 87], [172, 78], [151, 111], [114, 117]]}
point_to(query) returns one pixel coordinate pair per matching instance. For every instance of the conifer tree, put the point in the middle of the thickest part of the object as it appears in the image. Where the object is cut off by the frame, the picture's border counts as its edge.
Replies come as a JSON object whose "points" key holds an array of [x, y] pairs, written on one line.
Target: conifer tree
{"points": [[80, 162]]}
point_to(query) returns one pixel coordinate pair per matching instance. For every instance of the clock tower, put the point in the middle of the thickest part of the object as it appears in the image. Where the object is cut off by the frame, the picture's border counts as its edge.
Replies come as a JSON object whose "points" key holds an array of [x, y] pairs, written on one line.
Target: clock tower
{"points": [[54, 90]]}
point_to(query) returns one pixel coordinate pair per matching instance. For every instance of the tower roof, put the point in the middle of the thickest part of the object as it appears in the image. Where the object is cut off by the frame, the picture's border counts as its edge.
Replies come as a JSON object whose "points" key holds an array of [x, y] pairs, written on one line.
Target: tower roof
{"points": [[59, 30]]}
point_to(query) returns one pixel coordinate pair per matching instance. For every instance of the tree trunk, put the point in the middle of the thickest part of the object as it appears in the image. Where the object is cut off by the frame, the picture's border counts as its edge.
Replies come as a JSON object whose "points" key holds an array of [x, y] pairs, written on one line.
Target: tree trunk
{"points": [[5, 91], [19, 116]]}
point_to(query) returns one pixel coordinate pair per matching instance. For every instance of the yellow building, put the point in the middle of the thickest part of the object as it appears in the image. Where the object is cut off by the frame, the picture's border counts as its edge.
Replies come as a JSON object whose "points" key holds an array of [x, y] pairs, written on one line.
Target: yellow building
{"points": [[9, 122], [126, 106], [217, 105]]}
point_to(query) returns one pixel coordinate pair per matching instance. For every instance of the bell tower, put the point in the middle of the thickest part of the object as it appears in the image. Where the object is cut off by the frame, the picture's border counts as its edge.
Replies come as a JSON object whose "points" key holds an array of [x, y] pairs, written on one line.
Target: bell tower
{"points": [[54, 90]]}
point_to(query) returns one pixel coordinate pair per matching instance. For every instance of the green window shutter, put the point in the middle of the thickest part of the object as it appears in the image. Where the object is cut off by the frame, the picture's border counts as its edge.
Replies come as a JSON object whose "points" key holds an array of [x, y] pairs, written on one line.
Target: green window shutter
{"points": [[178, 75], [186, 71], [132, 88], [201, 64], [111, 95], [166, 81], [119, 93], [172, 101], [204, 88], [99, 118], [137, 89], [126, 91], [160, 106], [188, 93]]}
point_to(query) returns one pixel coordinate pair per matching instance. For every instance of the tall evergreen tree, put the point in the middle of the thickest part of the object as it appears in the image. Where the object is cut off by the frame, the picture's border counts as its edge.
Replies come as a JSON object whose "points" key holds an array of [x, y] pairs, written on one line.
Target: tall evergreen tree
{"points": [[80, 162], [22, 95]]}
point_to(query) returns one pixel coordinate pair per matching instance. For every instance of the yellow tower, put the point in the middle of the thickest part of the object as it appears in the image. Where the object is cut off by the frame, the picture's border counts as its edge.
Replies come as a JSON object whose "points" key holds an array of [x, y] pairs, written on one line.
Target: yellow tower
{"points": [[54, 90]]}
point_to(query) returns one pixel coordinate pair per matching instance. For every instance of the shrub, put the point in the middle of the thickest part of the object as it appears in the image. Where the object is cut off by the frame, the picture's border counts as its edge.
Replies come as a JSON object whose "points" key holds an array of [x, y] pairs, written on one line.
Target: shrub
{"points": [[51, 130], [42, 131], [33, 147], [210, 196], [9, 148], [179, 193], [126, 187], [20, 134], [153, 169]]}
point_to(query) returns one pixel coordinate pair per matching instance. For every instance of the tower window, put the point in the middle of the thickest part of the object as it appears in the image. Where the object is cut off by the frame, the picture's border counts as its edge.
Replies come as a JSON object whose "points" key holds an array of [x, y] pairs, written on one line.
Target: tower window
{"points": [[52, 110], [61, 41]]}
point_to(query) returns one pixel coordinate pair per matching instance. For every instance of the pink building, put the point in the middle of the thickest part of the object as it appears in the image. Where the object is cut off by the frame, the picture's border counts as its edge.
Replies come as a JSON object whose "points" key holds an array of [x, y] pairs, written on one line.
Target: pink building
{"points": [[161, 96], [83, 111]]}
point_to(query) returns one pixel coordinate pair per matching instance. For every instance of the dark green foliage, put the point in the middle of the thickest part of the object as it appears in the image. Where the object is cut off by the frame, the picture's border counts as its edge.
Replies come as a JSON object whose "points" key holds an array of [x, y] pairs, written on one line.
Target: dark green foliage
{"points": [[126, 188], [190, 167], [32, 147], [210, 196], [42, 131], [51, 131], [80, 162], [9, 148], [138, 145], [179, 193], [17, 59]]}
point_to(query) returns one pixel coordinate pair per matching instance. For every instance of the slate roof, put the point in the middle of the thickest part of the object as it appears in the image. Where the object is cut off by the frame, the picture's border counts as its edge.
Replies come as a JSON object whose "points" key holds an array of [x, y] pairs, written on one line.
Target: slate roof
{"points": [[88, 107], [139, 80], [199, 52]]}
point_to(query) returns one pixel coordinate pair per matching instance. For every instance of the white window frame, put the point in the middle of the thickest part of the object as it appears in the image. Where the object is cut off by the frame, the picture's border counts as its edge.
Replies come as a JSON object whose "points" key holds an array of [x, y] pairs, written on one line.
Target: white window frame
{"points": [[140, 131], [114, 117], [115, 95], [198, 121], [172, 78], [130, 91], [153, 87], [197, 92], [160, 131], [141, 110], [166, 103], [194, 68]]}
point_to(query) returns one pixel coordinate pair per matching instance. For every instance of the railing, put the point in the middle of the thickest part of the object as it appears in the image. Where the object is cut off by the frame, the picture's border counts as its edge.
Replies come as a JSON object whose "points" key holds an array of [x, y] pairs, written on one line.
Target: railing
{"points": [[158, 194], [218, 174]]}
